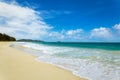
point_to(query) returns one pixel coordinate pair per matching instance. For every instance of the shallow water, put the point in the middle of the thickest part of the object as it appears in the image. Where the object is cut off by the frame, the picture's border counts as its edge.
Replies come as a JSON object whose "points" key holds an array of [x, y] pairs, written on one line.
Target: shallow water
{"points": [[95, 61]]}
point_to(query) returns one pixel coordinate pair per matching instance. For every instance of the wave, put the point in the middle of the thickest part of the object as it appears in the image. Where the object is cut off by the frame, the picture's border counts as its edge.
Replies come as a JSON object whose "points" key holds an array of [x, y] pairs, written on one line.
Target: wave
{"points": [[94, 64]]}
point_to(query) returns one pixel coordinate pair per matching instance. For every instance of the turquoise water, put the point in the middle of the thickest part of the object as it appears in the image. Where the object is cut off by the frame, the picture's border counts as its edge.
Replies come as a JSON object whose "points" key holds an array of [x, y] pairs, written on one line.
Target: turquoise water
{"points": [[95, 61], [96, 45]]}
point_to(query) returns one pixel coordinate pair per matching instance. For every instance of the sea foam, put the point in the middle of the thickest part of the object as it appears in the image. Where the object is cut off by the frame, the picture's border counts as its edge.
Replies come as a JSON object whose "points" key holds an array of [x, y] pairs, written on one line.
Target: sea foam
{"points": [[94, 64]]}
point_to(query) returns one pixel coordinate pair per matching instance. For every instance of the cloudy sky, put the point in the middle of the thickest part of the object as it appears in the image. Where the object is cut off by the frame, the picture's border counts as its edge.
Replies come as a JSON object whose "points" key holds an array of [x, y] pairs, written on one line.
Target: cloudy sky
{"points": [[61, 20]]}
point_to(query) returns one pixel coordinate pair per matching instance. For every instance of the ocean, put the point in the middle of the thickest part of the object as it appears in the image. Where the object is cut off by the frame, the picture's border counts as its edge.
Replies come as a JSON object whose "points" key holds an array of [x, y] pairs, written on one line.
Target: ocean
{"points": [[94, 61]]}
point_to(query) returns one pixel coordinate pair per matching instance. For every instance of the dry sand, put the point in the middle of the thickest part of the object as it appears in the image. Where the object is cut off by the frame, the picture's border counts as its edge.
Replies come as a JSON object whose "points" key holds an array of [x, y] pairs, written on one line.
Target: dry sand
{"points": [[18, 65]]}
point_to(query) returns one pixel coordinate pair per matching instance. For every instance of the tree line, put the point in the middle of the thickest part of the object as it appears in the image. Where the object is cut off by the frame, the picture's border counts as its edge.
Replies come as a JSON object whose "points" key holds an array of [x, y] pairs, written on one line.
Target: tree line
{"points": [[5, 37]]}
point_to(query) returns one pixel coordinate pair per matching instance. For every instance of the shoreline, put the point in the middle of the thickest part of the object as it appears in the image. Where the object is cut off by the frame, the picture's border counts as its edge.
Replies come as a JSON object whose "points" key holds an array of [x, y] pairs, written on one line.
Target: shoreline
{"points": [[19, 65]]}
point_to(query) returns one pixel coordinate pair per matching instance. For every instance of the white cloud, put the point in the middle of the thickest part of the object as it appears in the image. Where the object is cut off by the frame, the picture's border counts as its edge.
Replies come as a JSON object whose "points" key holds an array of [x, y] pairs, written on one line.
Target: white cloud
{"points": [[56, 35], [74, 32], [58, 12], [116, 29], [25, 22], [101, 32], [68, 35], [46, 14], [18, 21], [117, 26]]}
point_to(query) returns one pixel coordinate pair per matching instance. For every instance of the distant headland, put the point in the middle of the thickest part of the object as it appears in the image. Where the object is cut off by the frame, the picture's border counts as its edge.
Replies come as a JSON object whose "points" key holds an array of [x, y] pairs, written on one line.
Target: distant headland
{"points": [[29, 40]]}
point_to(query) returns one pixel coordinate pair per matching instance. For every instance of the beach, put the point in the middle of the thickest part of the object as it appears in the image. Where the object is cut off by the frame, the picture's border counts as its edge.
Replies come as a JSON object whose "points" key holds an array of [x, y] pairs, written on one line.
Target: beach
{"points": [[18, 65], [82, 59]]}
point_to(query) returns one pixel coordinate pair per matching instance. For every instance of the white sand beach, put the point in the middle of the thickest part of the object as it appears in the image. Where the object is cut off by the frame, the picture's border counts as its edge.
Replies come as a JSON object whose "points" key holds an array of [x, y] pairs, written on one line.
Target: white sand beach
{"points": [[18, 65]]}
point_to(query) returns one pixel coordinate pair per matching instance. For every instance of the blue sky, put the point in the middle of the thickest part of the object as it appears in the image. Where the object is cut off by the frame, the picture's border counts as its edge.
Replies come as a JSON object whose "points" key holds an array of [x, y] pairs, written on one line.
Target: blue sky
{"points": [[64, 20], [86, 14]]}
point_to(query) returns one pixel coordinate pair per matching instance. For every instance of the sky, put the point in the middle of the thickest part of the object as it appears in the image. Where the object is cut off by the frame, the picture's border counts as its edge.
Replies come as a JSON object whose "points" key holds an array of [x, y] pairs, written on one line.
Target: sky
{"points": [[61, 20]]}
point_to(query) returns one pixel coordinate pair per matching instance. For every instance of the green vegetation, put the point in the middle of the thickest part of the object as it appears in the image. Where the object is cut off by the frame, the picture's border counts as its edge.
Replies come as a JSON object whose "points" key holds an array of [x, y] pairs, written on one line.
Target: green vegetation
{"points": [[5, 37], [29, 40]]}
